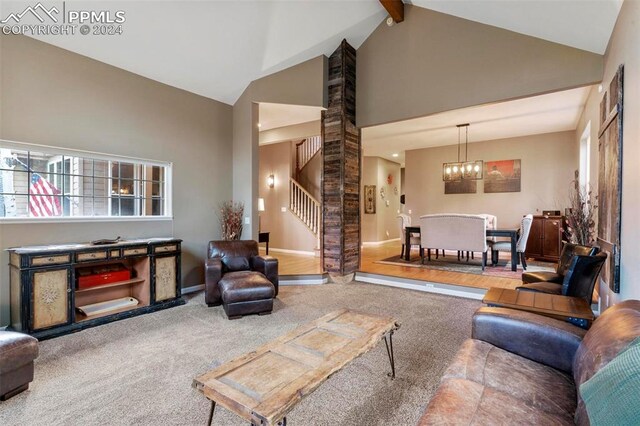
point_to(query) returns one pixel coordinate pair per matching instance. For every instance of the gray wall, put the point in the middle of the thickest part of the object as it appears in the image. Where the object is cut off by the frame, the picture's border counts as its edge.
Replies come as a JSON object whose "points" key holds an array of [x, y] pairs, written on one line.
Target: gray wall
{"points": [[434, 62], [548, 162], [51, 96], [623, 49], [383, 225]]}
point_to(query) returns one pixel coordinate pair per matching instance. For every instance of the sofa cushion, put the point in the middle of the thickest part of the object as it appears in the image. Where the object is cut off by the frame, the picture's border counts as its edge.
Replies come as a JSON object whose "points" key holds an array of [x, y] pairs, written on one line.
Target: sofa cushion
{"points": [[613, 331], [535, 385], [612, 395], [244, 286], [460, 401]]}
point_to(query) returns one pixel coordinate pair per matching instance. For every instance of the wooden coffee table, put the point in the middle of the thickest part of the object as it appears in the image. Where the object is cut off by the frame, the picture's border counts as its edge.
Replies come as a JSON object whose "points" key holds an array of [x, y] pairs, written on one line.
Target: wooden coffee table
{"points": [[264, 385], [573, 309]]}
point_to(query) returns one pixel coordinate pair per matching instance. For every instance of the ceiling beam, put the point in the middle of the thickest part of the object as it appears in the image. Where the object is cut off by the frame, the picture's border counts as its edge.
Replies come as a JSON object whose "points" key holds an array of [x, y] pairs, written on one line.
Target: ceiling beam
{"points": [[395, 8]]}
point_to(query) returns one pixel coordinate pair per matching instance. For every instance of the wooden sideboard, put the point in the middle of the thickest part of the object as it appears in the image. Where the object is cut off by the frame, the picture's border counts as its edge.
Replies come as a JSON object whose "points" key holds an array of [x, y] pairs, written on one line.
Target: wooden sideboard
{"points": [[44, 285], [545, 238]]}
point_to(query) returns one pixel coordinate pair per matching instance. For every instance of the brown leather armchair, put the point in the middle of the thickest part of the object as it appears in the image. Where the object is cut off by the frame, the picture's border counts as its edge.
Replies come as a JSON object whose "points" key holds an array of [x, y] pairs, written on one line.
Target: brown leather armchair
{"points": [[579, 280], [237, 277], [568, 251]]}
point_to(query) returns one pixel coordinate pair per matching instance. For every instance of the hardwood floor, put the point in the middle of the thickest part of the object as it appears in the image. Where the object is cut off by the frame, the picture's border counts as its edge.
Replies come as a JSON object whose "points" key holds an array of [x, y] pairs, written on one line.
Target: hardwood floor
{"points": [[296, 264], [372, 254], [292, 264]]}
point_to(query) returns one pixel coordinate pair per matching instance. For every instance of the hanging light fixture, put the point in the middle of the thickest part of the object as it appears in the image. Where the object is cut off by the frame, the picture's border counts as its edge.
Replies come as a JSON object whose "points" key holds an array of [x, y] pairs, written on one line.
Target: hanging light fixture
{"points": [[470, 170]]}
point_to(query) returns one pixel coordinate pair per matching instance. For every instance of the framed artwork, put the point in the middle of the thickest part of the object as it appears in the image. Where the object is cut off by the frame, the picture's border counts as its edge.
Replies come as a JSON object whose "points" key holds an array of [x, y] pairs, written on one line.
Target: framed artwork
{"points": [[502, 176], [461, 187], [370, 199]]}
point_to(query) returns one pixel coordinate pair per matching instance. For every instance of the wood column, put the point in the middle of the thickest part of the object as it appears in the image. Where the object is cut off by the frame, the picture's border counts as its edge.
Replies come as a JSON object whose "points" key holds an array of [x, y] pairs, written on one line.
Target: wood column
{"points": [[341, 168]]}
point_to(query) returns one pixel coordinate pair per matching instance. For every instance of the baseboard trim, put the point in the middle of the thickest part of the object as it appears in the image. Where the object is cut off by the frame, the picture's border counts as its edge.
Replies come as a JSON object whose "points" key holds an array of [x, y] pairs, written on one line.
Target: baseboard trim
{"points": [[307, 279], [287, 251], [192, 289], [426, 286], [378, 243]]}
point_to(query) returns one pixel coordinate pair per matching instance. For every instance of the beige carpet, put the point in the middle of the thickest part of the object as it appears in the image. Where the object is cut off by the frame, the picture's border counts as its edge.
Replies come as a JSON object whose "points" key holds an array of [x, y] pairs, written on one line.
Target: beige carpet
{"points": [[139, 371]]}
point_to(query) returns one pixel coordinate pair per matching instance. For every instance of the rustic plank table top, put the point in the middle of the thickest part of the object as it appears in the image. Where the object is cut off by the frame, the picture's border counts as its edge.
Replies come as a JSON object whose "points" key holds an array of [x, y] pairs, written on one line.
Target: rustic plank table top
{"points": [[263, 385], [540, 303]]}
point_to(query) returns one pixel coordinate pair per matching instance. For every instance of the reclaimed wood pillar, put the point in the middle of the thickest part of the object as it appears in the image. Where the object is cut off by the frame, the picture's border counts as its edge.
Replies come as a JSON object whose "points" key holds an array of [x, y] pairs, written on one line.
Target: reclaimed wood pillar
{"points": [[341, 169]]}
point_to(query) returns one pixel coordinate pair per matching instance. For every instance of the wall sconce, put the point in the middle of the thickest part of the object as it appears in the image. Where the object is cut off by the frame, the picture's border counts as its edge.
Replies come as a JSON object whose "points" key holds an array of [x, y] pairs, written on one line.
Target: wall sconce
{"points": [[271, 181]]}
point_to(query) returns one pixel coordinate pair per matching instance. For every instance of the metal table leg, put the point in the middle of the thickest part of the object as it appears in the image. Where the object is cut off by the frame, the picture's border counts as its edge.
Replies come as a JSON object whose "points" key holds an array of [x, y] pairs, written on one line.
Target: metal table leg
{"points": [[213, 407], [389, 346], [514, 254]]}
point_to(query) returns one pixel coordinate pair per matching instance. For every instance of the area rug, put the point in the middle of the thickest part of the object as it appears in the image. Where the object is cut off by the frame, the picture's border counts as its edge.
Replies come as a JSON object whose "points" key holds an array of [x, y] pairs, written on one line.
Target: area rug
{"points": [[139, 371], [472, 266]]}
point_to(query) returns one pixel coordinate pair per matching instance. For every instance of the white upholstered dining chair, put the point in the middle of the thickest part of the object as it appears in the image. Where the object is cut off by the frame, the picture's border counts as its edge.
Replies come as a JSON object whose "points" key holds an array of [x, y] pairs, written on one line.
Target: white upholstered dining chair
{"points": [[521, 245], [404, 220]]}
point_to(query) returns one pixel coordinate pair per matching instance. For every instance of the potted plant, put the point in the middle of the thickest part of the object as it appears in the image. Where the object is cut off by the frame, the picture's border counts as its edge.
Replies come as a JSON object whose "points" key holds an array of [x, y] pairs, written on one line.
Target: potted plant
{"points": [[581, 216], [230, 217]]}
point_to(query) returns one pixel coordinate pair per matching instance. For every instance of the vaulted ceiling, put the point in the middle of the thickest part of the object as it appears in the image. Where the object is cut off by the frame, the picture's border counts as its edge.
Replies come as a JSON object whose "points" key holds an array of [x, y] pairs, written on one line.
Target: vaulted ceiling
{"points": [[216, 48]]}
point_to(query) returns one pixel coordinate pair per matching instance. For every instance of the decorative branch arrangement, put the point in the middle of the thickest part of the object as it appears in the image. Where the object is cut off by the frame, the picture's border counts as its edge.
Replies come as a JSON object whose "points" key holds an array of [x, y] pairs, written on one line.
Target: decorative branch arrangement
{"points": [[581, 224], [230, 217]]}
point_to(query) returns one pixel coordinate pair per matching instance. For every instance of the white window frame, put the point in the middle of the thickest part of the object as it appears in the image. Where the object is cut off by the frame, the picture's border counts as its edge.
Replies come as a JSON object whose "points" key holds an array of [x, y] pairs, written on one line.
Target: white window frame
{"points": [[52, 150]]}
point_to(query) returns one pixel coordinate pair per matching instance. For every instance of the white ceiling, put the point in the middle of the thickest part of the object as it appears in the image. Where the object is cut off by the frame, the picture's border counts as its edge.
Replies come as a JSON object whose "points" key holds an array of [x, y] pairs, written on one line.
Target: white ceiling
{"points": [[584, 24], [554, 112], [279, 115], [216, 48]]}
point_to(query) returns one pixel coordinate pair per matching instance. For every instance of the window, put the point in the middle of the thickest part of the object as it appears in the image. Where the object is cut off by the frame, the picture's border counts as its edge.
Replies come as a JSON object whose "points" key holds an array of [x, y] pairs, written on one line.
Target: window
{"points": [[585, 157], [38, 183]]}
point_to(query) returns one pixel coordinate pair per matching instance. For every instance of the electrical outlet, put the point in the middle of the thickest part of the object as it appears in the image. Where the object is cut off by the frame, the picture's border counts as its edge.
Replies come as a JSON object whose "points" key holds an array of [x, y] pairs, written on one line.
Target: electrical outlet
{"points": [[387, 234], [247, 220], [283, 209], [409, 211]]}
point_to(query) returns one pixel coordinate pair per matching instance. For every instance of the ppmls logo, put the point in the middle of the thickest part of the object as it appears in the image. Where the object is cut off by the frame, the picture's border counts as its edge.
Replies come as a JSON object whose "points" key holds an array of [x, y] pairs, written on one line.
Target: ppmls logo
{"points": [[33, 10], [61, 20]]}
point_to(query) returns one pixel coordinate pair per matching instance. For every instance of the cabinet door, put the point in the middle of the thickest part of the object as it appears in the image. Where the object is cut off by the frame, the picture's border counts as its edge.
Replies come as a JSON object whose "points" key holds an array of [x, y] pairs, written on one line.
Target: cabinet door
{"points": [[534, 243], [551, 238], [166, 277], [51, 297]]}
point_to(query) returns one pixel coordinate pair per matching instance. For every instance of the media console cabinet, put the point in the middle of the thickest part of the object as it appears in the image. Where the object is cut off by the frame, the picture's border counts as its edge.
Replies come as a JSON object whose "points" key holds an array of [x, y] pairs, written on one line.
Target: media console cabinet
{"points": [[45, 294]]}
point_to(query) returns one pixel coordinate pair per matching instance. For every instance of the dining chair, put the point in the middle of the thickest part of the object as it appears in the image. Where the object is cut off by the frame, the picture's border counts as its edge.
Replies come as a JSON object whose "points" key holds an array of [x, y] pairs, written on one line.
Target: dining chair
{"points": [[521, 245], [404, 220]]}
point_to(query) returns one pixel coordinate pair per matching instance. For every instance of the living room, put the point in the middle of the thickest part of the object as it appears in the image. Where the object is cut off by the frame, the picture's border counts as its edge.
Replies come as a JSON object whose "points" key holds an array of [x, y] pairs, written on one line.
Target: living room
{"points": [[189, 102]]}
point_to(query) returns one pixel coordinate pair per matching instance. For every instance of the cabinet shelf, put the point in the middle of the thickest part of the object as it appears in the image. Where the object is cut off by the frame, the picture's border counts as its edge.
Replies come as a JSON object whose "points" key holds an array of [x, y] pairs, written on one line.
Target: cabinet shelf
{"points": [[132, 281]]}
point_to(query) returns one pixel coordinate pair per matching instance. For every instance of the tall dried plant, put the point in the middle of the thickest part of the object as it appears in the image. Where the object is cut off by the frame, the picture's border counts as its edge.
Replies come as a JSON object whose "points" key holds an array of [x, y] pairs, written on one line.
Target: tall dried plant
{"points": [[581, 223], [230, 217]]}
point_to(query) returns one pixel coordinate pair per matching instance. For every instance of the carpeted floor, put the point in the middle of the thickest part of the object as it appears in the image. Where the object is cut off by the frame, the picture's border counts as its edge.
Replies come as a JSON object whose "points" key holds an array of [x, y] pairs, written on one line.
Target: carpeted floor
{"points": [[472, 266], [139, 371]]}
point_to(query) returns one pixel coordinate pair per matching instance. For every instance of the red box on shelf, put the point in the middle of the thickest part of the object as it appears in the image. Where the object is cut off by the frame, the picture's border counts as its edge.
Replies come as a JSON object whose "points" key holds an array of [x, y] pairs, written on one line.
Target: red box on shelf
{"points": [[102, 275]]}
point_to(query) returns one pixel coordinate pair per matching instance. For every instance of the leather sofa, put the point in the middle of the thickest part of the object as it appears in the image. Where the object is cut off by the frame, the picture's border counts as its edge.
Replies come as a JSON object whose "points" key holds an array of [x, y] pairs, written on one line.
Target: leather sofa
{"points": [[239, 279], [523, 368], [17, 352]]}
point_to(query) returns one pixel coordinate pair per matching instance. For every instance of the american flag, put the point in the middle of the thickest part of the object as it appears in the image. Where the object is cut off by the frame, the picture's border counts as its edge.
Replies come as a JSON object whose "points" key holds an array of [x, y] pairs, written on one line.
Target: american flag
{"points": [[43, 200]]}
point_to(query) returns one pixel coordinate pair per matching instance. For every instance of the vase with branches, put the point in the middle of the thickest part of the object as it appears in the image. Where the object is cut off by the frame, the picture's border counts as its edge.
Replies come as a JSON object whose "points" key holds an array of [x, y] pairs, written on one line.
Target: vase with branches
{"points": [[230, 217], [581, 217]]}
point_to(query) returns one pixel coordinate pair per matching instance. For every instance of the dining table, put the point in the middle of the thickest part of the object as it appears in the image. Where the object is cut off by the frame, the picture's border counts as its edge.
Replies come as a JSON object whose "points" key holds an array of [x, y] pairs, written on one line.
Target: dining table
{"points": [[511, 233]]}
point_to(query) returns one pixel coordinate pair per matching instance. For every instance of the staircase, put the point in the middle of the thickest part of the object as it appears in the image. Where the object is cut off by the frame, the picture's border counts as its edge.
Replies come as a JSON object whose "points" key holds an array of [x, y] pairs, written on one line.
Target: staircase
{"points": [[305, 207], [305, 151]]}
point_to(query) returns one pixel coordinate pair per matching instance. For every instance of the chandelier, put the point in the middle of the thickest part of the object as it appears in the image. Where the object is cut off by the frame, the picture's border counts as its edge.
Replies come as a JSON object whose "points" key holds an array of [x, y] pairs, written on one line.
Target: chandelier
{"points": [[459, 170]]}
